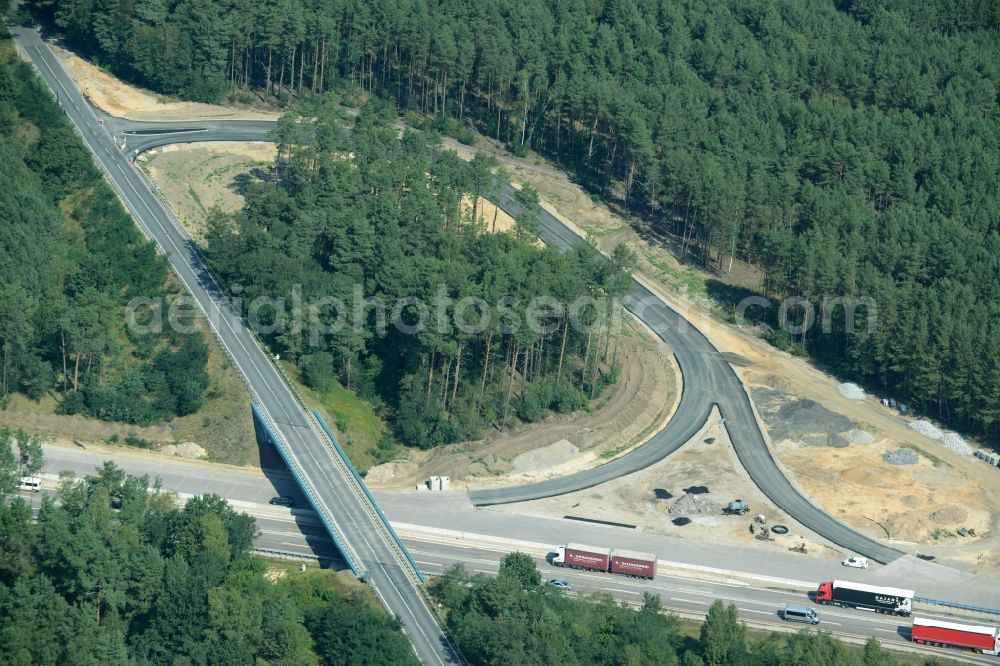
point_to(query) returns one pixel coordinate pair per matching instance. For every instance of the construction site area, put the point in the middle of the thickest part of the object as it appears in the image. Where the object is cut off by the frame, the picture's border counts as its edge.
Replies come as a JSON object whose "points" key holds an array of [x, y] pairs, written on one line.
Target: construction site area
{"points": [[858, 459]]}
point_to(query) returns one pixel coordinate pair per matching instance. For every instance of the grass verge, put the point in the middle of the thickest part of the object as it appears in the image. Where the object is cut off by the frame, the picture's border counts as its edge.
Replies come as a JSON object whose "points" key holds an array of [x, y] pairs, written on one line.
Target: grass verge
{"points": [[361, 432]]}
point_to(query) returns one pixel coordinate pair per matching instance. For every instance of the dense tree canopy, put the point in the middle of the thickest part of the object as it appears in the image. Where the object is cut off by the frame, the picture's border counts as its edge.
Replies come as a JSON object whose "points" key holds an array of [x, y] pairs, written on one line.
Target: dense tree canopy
{"points": [[846, 148], [367, 216], [70, 261], [113, 573]]}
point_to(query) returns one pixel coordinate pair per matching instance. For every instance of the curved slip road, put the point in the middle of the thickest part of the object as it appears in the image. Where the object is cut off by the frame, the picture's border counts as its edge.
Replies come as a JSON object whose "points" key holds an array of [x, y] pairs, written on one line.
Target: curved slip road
{"points": [[335, 495], [708, 378]]}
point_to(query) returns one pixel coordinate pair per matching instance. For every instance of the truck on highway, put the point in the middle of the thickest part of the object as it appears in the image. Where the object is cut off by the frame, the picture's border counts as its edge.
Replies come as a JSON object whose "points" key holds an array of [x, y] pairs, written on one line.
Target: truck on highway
{"points": [[891, 600], [595, 558], [951, 634]]}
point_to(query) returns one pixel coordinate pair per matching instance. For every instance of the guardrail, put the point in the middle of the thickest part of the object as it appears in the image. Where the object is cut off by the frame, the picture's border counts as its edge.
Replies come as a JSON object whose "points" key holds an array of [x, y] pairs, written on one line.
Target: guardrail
{"points": [[353, 561], [361, 483], [954, 604]]}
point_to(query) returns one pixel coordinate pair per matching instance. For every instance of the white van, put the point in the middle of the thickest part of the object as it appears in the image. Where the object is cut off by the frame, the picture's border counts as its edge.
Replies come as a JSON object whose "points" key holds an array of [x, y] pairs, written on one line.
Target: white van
{"points": [[32, 483], [796, 613]]}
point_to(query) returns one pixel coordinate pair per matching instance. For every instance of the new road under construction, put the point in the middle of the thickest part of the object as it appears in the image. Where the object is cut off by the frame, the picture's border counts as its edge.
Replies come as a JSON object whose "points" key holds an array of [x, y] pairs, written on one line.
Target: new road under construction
{"points": [[348, 512]]}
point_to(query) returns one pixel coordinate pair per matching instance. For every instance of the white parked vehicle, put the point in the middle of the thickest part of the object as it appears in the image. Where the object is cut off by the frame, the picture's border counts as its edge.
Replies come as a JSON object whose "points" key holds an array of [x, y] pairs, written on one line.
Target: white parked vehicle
{"points": [[856, 562], [32, 483]]}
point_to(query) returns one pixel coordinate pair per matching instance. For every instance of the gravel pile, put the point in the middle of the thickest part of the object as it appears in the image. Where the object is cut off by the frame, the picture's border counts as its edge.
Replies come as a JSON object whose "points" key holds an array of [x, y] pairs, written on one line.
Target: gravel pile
{"points": [[955, 442], [952, 440], [692, 505], [949, 515], [860, 436], [901, 457], [851, 391], [927, 428], [800, 421]]}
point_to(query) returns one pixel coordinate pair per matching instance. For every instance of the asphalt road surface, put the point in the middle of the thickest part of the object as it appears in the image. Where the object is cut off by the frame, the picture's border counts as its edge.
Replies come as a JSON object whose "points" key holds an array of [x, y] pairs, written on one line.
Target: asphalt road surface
{"points": [[335, 494], [689, 597], [451, 513], [708, 377], [689, 593]]}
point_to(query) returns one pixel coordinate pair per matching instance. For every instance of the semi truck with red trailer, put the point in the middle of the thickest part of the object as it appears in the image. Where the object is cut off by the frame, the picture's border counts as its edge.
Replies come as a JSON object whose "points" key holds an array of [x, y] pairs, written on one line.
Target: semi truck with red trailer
{"points": [[951, 634], [595, 558], [891, 600]]}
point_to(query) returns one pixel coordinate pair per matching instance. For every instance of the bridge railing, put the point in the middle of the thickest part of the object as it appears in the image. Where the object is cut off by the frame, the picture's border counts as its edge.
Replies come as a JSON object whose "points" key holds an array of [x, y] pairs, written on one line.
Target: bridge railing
{"points": [[390, 532], [353, 561]]}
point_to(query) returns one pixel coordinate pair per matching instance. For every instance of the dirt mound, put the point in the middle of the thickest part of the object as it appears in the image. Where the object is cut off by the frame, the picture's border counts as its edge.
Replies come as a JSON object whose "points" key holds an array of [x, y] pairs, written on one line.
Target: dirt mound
{"points": [[858, 436], [689, 504], [556, 453], [184, 450], [387, 472], [949, 515], [851, 391], [865, 476]]}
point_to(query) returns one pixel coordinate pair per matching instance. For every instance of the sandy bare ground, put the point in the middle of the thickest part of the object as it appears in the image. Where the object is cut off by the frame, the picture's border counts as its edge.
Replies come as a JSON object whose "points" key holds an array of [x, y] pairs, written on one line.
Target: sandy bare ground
{"points": [[919, 504], [124, 101], [625, 416], [706, 465], [488, 215], [197, 177]]}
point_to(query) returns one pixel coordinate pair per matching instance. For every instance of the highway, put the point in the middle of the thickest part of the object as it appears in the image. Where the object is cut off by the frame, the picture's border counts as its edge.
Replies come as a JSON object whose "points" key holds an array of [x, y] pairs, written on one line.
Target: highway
{"points": [[686, 596], [758, 581], [708, 378], [336, 496]]}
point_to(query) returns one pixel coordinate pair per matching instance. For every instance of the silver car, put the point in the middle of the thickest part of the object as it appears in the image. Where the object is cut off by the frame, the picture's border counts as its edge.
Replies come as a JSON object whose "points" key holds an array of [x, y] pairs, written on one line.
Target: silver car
{"points": [[561, 584]]}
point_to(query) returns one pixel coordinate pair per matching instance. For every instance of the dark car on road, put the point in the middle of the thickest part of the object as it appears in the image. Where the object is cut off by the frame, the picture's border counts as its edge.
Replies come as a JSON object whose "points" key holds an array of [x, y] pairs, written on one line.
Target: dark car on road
{"points": [[283, 500]]}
